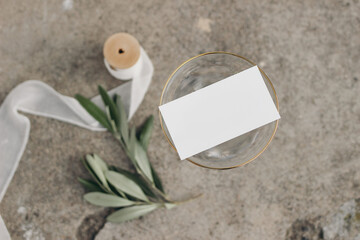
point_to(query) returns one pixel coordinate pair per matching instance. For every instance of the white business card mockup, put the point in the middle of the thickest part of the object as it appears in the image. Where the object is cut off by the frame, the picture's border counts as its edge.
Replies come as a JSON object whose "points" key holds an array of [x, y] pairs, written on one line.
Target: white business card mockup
{"points": [[219, 112]]}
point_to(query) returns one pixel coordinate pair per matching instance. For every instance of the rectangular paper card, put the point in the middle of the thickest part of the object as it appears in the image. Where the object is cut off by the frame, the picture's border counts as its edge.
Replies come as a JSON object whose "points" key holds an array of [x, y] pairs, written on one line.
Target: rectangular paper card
{"points": [[219, 112]]}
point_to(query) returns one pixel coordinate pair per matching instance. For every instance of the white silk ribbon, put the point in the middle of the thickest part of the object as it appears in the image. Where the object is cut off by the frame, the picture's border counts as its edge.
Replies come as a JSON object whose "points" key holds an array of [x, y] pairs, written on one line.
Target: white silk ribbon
{"points": [[36, 97]]}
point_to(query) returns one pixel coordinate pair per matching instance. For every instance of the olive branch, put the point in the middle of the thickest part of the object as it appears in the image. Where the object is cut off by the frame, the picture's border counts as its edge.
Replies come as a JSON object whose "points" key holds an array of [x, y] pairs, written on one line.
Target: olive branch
{"points": [[133, 193]]}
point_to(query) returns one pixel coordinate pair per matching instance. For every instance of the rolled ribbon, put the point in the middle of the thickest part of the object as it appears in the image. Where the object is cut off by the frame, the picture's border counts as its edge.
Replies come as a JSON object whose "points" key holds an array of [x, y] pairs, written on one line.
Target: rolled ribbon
{"points": [[122, 55], [123, 74], [36, 97]]}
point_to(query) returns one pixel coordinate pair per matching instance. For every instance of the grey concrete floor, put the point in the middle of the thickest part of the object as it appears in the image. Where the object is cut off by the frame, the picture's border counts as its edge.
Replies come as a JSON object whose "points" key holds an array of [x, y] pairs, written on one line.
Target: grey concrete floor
{"points": [[311, 51]]}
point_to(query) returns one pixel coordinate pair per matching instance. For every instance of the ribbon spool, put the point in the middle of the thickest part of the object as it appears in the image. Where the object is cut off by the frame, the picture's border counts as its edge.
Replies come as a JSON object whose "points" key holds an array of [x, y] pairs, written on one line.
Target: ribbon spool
{"points": [[122, 56]]}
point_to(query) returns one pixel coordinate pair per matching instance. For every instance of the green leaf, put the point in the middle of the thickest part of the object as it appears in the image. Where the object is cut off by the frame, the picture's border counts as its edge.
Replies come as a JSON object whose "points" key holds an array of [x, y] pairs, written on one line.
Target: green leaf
{"points": [[106, 200], [132, 140], [125, 184], [136, 178], [93, 175], [146, 132], [169, 205], [90, 185], [157, 180], [101, 163], [142, 160], [138, 155], [114, 113], [123, 123], [93, 110], [97, 169], [130, 213], [115, 190], [111, 121]]}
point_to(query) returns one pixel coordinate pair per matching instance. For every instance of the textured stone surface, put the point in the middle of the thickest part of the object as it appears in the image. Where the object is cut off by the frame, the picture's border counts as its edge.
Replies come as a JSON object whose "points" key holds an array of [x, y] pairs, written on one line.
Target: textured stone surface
{"points": [[310, 49], [305, 229], [344, 224]]}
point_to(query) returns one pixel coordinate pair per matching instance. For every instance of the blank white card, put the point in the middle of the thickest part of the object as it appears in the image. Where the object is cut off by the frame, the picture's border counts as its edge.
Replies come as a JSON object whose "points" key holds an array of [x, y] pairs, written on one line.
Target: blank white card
{"points": [[219, 112]]}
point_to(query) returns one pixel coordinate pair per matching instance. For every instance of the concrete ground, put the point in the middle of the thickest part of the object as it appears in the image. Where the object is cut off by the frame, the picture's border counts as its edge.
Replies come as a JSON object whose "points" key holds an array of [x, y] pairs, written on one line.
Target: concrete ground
{"points": [[311, 51]]}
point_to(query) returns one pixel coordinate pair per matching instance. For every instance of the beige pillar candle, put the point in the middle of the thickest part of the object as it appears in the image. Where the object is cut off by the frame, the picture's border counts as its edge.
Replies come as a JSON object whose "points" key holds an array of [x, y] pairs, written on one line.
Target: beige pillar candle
{"points": [[121, 51]]}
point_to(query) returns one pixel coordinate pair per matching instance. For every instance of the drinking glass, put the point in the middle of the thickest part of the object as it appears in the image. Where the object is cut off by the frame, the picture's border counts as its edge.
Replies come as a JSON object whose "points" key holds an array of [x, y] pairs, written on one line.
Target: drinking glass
{"points": [[201, 71]]}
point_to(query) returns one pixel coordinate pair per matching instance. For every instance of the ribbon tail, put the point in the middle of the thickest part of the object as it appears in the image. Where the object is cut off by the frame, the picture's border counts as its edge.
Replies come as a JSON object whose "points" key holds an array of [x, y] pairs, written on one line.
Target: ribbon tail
{"points": [[140, 83], [36, 98], [4, 233]]}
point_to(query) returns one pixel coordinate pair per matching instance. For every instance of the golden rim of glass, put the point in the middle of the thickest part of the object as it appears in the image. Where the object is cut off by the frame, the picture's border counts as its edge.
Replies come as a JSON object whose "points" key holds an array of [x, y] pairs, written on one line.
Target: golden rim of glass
{"points": [[264, 74]]}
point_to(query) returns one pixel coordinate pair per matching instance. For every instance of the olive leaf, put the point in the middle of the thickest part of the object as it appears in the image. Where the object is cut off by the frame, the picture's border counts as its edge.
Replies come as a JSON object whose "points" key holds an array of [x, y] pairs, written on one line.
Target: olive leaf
{"points": [[142, 160], [104, 168], [130, 213], [157, 180], [169, 205], [122, 126], [112, 122], [93, 175], [132, 142], [90, 185], [93, 110], [146, 131], [137, 179], [106, 200], [125, 184], [100, 162], [113, 110], [97, 169]]}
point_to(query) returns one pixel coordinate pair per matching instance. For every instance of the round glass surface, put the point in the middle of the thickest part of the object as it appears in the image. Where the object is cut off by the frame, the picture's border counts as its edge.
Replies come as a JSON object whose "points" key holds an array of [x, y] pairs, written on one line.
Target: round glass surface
{"points": [[201, 71]]}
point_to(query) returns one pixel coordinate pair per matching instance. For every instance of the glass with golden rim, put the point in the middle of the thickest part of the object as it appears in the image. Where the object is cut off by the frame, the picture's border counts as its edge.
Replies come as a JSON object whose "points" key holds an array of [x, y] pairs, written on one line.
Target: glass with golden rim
{"points": [[201, 71]]}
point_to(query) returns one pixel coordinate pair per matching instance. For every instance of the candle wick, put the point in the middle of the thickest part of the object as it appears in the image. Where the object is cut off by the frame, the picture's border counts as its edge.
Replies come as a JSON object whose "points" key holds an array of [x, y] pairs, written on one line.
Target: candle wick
{"points": [[121, 51]]}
